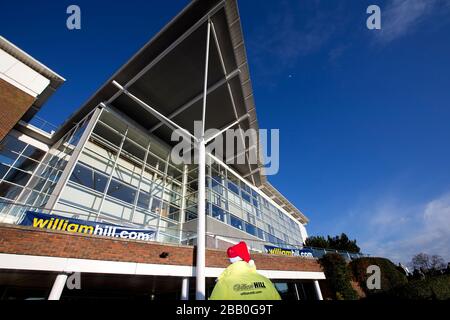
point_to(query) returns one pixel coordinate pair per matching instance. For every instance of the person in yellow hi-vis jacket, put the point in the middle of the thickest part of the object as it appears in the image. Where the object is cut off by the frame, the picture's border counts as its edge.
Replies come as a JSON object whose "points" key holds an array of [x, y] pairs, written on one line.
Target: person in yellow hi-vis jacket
{"points": [[240, 281]]}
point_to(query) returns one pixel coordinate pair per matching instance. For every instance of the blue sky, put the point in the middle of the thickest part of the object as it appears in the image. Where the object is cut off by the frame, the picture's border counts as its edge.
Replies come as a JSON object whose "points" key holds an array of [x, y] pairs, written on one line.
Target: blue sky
{"points": [[363, 114]]}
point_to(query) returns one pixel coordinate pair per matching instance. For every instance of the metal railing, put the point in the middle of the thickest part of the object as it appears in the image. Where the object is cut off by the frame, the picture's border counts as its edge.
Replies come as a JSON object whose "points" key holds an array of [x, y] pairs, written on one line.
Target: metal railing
{"points": [[43, 125], [221, 241], [13, 213]]}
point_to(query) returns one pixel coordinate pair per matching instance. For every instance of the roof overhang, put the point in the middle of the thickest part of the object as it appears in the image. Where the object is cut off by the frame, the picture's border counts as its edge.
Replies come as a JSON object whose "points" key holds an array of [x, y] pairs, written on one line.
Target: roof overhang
{"points": [[284, 203], [55, 79]]}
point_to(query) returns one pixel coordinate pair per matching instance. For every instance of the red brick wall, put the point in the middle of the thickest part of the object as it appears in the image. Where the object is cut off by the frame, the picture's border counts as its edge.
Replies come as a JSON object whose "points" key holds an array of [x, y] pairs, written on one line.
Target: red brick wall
{"points": [[30, 241], [13, 105]]}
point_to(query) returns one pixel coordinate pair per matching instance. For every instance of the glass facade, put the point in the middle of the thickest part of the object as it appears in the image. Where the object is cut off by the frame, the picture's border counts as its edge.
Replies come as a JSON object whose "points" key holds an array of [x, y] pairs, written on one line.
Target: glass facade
{"points": [[124, 175], [236, 203], [18, 161], [29, 174]]}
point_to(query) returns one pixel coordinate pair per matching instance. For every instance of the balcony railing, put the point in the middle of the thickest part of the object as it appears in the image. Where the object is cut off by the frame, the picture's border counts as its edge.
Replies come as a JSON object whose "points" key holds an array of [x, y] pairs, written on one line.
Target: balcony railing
{"points": [[12, 213], [43, 125], [220, 241]]}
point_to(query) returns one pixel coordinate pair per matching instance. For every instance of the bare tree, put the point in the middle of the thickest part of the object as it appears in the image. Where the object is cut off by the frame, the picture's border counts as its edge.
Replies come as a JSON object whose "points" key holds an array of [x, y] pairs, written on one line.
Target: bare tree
{"points": [[437, 262], [421, 261]]}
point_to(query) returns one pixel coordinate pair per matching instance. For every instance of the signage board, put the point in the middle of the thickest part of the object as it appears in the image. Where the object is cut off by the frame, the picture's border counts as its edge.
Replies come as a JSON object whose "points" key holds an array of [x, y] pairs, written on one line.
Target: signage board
{"points": [[60, 223], [288, 251]]}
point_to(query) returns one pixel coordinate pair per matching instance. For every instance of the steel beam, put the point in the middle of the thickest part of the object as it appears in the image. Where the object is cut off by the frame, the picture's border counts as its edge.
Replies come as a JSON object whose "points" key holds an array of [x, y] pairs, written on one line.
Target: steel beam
{"points": [[201, 198], [197, 98], [174, 44], [156, 113]]}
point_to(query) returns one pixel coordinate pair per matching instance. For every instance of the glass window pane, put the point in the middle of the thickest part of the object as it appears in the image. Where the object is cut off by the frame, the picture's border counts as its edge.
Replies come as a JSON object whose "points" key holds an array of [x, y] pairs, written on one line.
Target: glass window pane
{"points": [[174, 213], [260, 234], [156, 190], [156, 205], [33, 153], [121, 191], [37, 183], [41, 200], [13, 144], [165, 209], [18, 177], [143, 200], [100, 181], [249, 228], [217, 187], [9, 191], [245, 187], [7, 157], [29, 196], [108, 134], [3, 170], [236, 222], [49, 186], [89, 178], [133, 150], [152, 161], [26, 164], [218, 213], [246, 196], [233, 187]]}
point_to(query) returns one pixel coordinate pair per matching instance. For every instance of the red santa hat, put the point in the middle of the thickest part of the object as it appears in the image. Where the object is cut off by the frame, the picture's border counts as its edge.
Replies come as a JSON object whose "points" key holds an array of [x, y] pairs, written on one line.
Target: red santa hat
{"points": [[238, 252]]}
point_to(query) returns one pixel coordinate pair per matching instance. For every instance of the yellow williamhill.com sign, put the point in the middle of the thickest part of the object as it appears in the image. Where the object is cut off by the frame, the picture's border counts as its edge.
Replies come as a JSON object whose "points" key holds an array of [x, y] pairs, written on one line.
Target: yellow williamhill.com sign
{"points": [[288, 252], [59, 223]]}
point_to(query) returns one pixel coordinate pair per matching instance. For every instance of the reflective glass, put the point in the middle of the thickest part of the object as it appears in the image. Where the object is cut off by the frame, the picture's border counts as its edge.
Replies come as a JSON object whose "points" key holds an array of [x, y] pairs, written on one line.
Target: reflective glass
{"points": [[3, 170], [121, 191], [156, 205], [13, 144], [249, 228], [246, 196], [144, 200], [33, 153], [218, 213], [234, 188], [18, 177], [9, 191], [26, 164], [89, 178], [236, 222]]}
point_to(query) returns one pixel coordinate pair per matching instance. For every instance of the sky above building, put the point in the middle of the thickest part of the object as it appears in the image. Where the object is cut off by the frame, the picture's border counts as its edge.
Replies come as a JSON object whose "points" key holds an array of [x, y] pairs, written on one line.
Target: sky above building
{"points": [[364, 115]]}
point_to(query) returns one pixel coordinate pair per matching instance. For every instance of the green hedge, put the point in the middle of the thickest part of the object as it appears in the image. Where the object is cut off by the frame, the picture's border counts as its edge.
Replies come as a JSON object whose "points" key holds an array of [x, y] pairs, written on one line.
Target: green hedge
{"points": [[338, 276], [390, 276], [431, 288]]}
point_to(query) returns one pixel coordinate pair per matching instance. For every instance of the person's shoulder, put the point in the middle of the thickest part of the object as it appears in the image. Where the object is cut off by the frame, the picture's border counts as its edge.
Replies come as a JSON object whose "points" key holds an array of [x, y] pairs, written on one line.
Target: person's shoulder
{"points": [[260, 276]]}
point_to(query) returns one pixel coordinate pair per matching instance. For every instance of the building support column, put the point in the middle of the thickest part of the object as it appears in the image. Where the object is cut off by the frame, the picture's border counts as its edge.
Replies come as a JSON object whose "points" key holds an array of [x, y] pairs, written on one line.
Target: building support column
{"points": [[318, 292], [73, 158], [58, 287], [185, 289], [201, 222], [183, 202], [201, 198]]}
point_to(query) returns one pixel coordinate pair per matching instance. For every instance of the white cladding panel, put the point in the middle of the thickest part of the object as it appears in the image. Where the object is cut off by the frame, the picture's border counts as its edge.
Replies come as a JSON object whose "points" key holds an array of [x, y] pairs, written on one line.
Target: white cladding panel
{"points": [[21, 76]]}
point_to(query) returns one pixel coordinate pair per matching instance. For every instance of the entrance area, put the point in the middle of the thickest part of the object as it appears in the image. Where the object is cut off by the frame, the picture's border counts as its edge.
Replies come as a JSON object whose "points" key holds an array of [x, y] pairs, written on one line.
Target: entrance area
{"points": [[36, 285], [31, 285]]}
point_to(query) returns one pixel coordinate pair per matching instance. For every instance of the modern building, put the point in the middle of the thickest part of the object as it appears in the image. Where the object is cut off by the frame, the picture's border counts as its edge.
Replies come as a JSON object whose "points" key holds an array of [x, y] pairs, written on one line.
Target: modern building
{"points": [[109, 166]]}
